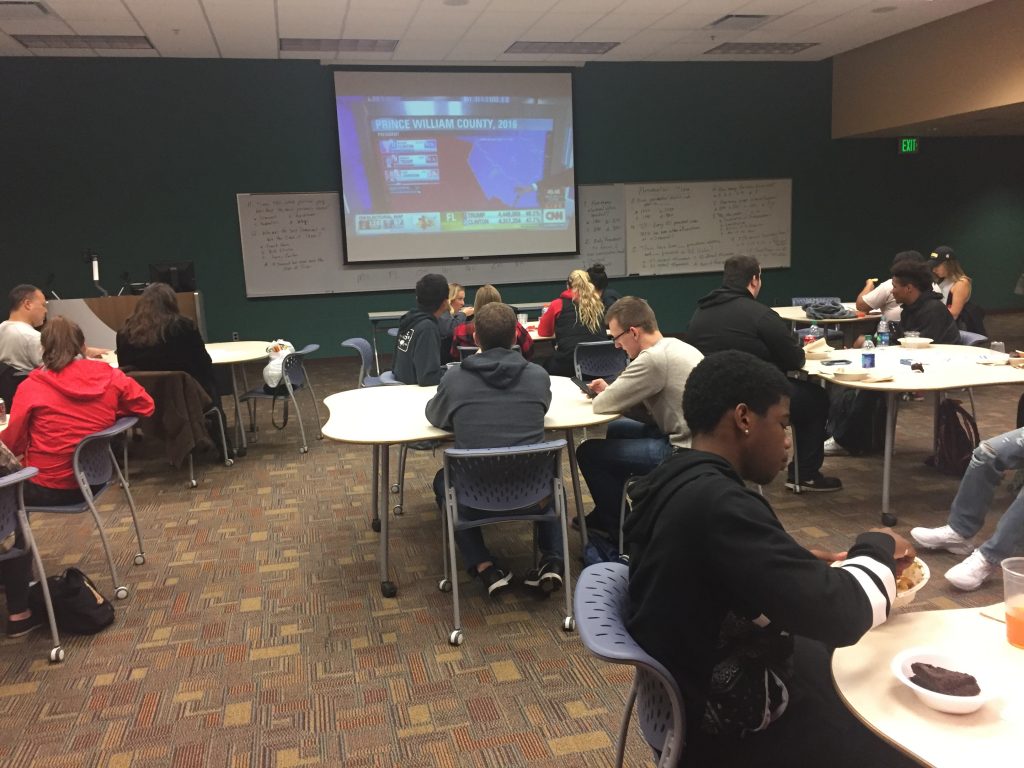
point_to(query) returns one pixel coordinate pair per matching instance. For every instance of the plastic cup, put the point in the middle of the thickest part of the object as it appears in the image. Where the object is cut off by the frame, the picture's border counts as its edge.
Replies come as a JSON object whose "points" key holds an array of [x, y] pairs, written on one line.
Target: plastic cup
{"points": [[998, 346], [1013, 592], [522, 318]]}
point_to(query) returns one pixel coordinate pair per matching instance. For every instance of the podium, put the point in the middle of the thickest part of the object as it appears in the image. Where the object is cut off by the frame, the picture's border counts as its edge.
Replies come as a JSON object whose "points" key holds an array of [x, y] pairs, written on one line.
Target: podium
{"points": [[101, 317]]}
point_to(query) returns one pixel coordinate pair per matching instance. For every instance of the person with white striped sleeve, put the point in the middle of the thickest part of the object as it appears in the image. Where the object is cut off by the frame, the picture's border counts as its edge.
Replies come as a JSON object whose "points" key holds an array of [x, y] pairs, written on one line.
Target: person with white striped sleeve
{"points": [[742, 615]]}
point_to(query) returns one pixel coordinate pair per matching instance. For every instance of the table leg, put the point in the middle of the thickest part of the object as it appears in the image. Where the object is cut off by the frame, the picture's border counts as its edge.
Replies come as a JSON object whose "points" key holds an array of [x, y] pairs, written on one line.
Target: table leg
{"points": [[574, 471], [375, 523], [373, 339], [239, 428], [890, 430], [387, 587]]}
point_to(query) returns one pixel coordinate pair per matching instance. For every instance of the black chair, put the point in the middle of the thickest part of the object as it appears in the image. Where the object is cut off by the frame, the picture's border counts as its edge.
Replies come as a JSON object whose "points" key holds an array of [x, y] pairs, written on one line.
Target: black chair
{"points": [[10, 380]]}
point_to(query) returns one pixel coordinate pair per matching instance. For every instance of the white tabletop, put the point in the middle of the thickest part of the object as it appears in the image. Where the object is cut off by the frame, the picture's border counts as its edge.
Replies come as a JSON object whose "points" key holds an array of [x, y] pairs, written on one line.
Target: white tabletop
{"points": [[946, 366], [990, 736], [388, 415], [225, 352]]}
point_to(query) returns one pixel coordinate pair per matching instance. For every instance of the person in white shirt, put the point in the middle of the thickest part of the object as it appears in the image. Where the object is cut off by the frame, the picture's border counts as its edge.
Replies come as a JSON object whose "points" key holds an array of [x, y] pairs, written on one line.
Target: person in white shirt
{"points": [[878, 296], [20, 347], [650, 393]]}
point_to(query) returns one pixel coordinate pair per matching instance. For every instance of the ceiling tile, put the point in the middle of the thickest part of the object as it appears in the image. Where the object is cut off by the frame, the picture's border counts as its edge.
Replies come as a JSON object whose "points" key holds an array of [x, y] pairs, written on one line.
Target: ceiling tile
{"points": [[50, 25], [310, 18], [89, 10], [629, 20], [128, 27], [244, 29], [422, 50], [585, 6], [175, 29]]}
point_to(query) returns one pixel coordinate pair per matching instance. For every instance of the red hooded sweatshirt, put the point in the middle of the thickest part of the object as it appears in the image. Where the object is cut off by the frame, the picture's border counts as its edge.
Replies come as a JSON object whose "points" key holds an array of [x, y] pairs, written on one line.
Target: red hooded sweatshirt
{"points": [[54, 411]]}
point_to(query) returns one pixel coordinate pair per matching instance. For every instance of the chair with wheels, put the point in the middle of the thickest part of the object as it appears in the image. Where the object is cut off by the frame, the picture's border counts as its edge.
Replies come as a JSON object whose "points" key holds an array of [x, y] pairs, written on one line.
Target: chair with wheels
{"points": [[96, 469], [294, 378], [12, 517], [598, 360], [602, 603], [507, 484]]}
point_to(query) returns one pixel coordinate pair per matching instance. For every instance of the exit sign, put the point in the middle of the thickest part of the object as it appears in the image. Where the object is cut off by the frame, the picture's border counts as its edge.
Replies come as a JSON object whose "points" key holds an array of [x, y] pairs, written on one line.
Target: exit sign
{"points": [[909, 146]]}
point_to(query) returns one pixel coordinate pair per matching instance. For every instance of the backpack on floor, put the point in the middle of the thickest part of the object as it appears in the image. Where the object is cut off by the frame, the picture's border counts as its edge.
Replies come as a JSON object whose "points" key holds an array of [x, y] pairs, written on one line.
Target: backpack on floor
{"points": [[958, 437], [857, 420], [78, 606]]}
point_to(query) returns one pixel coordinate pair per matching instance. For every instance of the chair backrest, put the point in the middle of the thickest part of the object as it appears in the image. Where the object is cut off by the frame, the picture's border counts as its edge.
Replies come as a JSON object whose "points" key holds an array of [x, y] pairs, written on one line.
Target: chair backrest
{"points": [[600, 605], [11, 499], [802, 301], [466, 351], [504, 479], [293, 366], [365, 350], [973, 339], [93, 457], [598, 360], [10, 379]]}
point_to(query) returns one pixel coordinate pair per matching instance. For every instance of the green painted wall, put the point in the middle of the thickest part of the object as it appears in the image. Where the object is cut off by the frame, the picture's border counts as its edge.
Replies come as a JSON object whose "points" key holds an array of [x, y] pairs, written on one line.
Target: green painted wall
{"points": [[141, 161]]}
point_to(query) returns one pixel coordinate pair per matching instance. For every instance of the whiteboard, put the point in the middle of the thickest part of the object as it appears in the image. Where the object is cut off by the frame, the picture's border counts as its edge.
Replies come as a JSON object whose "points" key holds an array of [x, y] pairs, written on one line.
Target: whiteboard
{"points": [[292, 244], [695, 226]]}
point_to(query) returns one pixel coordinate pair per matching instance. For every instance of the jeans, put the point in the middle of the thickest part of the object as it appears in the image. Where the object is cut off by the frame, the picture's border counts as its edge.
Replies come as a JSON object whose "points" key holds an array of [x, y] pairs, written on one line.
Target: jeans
{"points": [[470, 541], [991, 458], [629, 448], [808, 413]]}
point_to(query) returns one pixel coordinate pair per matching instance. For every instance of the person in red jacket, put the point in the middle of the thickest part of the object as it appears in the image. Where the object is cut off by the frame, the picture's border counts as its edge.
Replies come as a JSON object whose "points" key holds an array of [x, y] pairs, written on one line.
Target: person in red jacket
{"points": [[58, 404], [575, 316]]}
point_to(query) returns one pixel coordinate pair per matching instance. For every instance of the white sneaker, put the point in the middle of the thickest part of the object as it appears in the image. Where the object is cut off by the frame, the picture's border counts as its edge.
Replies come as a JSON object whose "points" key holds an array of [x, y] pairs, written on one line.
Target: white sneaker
{"points": [[832, 448], [971, 573], [942, 538]]}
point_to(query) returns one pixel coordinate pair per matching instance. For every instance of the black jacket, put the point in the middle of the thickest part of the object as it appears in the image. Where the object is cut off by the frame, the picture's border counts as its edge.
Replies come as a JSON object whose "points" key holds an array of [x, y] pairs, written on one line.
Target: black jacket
{"points": [[929, 316], [730, 318], [418, 349], [181, 350], [702, 545]]}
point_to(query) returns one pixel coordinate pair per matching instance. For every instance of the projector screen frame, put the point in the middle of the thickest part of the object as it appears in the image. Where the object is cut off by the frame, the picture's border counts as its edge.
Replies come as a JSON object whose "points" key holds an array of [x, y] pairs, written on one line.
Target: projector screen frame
{"points": [[517, 253]]}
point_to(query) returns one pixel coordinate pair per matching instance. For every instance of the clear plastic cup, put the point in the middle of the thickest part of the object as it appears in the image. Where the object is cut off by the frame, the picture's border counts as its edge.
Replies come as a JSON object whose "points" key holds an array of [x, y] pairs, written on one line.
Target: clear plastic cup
{"points": [[998, 346], [522, 318], [1013, 592]]}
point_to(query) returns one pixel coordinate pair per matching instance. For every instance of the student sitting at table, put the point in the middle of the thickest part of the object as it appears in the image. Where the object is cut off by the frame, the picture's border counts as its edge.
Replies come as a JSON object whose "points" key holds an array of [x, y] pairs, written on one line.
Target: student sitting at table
{"points": [[496, 399], [58, 404], [418, 346], [447, 322], [876, 296], [463, 335], [956, 287], [649, 394], [577, 315], [989, 463], [599, 277], [923, 310], [742, 615]]}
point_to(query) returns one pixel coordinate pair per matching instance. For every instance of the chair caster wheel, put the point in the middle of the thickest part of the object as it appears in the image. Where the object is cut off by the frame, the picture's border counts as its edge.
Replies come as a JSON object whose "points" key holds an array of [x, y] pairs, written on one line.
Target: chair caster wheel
{"points": [[568, 624], [444, 585], [121, 593], [397, 510], [140, 558], [229, 462], [319, 437], [388, 589], [304, 449], [395, 487], [56, 655], [191, 484], [455, 638], [889, 519], [375, 525]]}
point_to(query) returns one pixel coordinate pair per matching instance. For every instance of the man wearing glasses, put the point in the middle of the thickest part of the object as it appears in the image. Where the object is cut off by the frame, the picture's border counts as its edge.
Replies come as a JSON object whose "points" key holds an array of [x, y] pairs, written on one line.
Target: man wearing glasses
{"points": [[649, 394]]}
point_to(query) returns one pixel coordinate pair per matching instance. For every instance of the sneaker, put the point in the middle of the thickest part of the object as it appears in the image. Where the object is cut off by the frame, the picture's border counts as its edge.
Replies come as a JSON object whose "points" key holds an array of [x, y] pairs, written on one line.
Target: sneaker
{"points": [[817, 483], [24, 626], [494, 579], [832, 448], [971, 573], [942, 538], [546, 578]]}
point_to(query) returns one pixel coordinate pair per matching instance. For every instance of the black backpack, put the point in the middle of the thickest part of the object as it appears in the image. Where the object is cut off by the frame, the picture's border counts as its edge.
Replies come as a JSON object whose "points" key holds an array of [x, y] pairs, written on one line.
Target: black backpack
{"points": [[958, 437], [857, 420], [78, 606]]}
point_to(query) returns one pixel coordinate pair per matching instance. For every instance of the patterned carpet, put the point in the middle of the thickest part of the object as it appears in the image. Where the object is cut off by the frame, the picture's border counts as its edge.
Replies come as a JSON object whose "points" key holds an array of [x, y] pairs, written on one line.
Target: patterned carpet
{"points": [[255, 634]]}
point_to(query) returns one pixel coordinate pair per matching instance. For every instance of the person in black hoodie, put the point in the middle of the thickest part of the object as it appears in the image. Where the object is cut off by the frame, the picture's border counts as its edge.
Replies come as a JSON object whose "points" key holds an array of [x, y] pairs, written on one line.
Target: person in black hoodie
{"points": [[730, 317], [719, 590], [923, 308], [496, 399], [418, 347]]}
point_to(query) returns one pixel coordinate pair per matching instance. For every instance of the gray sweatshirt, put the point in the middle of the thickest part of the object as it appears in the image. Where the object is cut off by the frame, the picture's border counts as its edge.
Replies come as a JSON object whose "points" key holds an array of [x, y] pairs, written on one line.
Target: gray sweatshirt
{"points": [[655, 380], [494, 399]]}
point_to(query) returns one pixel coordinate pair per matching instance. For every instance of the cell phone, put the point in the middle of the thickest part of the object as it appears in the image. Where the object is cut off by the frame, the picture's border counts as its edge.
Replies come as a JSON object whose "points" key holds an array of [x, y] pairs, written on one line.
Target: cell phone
{"points": [[837, 362], [584, 388]]}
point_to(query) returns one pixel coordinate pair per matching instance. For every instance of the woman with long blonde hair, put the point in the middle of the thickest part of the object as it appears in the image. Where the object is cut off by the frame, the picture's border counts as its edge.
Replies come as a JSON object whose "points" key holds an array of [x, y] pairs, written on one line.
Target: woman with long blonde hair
{"points": [[956, 289], [575, 316]]}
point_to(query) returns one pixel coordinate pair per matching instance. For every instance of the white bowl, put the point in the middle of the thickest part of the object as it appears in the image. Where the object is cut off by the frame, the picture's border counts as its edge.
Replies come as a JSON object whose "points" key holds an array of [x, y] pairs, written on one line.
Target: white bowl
{"points": [[915, 342], [851, 374], [906, 597], [955, 705]]}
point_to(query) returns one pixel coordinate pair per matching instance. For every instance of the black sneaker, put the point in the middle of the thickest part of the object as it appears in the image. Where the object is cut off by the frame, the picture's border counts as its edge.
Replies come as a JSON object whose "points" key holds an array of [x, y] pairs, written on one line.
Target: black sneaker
{"points": [[24, 626], [546, 578], [494, 579], [817, 483]]}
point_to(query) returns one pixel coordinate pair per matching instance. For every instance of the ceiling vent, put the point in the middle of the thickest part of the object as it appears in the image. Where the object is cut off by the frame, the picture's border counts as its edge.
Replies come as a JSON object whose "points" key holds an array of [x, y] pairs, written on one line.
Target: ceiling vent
{"points": [[20, 10], [93, 42], [759, 49], [331, 44], [739, 22], [578, 49]]}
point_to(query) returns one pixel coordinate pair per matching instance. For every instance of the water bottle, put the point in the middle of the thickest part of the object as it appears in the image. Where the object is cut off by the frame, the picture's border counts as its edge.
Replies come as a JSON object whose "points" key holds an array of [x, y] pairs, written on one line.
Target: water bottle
{"points": [[813, 334], [882, 334], [867, 358]]}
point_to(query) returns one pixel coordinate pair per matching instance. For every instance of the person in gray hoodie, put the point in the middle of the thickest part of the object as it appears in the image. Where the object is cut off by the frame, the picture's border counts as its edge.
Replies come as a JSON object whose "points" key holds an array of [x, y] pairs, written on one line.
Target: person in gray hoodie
{"points": [[496, 399]]}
